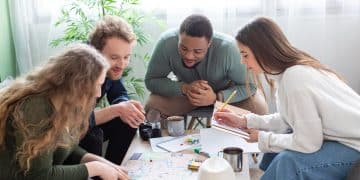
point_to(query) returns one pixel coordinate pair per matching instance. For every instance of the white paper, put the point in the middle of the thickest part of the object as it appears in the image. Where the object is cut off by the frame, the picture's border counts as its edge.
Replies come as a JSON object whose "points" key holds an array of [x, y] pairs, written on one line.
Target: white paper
{"points": [[155, 141], [179, 143], [213, 141]]}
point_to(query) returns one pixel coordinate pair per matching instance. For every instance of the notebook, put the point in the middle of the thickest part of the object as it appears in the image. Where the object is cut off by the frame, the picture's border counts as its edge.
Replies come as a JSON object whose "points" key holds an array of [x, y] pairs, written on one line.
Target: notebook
{"points": [[226, 128]]}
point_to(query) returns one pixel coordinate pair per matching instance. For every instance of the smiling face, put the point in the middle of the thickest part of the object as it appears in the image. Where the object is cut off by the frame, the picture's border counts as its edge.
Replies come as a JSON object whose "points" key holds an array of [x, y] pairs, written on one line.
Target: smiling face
{"points": [[192, 49], [248, 58], [117, 52]]}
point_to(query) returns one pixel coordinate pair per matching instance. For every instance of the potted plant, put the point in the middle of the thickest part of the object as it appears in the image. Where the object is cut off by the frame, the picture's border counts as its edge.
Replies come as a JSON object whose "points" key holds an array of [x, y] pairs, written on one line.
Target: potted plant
{"points": [[79, 16]]}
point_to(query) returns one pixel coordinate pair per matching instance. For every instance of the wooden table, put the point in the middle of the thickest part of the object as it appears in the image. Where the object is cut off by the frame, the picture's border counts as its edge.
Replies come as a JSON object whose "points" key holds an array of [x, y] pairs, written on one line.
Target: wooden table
{"points": [[139, 146]]}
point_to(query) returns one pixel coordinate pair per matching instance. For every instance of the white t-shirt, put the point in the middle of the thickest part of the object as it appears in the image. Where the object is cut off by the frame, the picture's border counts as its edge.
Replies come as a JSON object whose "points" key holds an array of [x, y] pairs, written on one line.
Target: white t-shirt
{"points": [[313, 106]]}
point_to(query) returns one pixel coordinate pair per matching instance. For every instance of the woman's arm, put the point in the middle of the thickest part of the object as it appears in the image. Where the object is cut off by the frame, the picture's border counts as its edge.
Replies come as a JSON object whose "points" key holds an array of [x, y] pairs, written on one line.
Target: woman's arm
{"points": [[306, 123], [98, 166], [271, 122]]}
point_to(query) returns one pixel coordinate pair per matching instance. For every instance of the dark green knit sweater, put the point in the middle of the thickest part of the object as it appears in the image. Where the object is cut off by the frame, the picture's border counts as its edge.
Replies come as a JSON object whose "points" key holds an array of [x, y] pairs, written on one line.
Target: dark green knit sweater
{"points": [[48, 165]]}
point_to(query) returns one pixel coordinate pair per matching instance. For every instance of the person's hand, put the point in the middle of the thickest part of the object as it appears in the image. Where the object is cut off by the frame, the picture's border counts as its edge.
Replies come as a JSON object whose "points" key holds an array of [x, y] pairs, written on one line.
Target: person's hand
{"points": [[201, 94], [131, 112], [117, 167], [193, 87], [113, 173], [230, 118], [123, 171], [253, 135]]}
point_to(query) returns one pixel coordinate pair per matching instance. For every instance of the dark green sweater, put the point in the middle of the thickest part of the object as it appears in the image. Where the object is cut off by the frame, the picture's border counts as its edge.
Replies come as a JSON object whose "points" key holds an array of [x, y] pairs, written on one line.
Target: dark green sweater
{"points": [[48, 165], [221, 67]]}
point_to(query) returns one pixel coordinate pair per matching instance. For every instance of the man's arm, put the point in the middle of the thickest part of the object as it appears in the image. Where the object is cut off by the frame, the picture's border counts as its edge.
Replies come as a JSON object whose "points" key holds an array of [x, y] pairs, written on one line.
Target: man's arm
{"points": [[131, 112], [105, 114], [158, 70], [115, 93]]}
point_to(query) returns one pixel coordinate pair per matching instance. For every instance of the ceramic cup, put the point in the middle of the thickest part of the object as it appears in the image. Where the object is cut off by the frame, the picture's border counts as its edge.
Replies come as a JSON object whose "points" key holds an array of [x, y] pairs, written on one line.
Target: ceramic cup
{"points": [[175, 125], [234, 156], [216, 168]]}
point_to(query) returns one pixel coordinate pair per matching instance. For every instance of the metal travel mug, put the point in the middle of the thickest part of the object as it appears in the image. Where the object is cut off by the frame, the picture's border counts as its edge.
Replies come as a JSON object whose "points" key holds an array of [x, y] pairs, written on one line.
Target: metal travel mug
{"points": [[234, 156]]}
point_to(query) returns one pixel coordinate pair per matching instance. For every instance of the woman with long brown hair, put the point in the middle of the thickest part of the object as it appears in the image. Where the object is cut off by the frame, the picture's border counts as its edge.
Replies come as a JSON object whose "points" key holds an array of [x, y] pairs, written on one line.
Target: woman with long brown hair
{"points": [[43, 116], [318, 113]]}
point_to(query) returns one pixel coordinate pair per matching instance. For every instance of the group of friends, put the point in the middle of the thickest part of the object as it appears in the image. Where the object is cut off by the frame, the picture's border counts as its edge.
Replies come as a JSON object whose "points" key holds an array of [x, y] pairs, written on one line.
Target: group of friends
{"points": [[49, 128]]}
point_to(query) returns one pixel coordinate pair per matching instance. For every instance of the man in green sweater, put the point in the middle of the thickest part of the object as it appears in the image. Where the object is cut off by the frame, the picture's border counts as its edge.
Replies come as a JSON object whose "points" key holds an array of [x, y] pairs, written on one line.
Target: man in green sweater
{"points": [[207, 68]]}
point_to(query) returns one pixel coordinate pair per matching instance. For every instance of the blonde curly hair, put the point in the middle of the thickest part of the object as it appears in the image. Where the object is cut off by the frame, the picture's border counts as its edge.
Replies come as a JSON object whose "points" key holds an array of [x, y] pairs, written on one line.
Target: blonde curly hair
{"points": [[71, 77]]}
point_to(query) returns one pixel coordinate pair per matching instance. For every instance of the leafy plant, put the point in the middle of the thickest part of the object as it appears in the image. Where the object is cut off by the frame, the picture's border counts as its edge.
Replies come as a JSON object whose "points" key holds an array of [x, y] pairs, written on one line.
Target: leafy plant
{"points": [[80, 16]]}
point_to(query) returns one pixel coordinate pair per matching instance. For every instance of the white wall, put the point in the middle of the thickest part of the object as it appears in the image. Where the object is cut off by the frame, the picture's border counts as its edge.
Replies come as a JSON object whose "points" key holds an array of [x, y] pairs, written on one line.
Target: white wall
{"points": [[335, 41], [328, 30]]}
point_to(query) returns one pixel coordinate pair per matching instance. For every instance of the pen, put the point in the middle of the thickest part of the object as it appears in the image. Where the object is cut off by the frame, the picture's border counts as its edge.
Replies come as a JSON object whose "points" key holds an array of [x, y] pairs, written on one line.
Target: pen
{"points": [[198, 151], [228, 100]]}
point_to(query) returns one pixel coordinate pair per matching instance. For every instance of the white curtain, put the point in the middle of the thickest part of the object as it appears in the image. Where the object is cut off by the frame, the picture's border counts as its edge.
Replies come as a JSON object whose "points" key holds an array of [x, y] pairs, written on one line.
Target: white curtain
{"points": [[327, 29], [30, 24]]}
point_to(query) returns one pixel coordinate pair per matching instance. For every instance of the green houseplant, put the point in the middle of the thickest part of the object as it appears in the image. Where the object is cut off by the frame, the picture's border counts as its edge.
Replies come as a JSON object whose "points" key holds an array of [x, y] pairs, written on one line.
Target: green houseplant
{"points": [[79, 16]]}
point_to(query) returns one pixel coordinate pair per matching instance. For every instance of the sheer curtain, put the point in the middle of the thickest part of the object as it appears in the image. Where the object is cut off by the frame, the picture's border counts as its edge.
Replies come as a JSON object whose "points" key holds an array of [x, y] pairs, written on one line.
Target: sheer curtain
{"points": [[327, 29], [30, 24]]}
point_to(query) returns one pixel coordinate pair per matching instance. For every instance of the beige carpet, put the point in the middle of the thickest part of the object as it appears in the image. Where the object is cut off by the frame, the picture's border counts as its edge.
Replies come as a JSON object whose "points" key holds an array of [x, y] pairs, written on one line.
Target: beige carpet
{"points": [[255, 173]]}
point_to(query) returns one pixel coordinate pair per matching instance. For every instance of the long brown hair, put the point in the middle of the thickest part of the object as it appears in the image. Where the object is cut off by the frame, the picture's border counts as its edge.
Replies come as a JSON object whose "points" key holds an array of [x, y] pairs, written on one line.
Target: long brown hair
{"points": [[272, 50], [71, 77]]}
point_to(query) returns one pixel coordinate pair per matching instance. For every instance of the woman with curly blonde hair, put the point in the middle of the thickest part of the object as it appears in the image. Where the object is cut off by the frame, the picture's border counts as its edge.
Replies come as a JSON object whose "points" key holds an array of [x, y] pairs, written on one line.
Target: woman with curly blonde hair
{"points": [[43, 116]]}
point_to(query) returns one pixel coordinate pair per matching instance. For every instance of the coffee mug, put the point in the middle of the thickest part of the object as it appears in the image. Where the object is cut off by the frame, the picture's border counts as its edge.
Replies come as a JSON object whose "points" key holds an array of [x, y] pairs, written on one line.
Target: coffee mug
{"points": [[175, 125], [234, 156], [149, 130], [145, 130]]}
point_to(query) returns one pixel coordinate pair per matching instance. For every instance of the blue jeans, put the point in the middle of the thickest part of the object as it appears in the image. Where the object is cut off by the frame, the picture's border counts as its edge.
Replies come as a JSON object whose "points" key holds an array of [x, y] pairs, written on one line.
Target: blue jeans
{"points": [[332, 161], [266, 160]]}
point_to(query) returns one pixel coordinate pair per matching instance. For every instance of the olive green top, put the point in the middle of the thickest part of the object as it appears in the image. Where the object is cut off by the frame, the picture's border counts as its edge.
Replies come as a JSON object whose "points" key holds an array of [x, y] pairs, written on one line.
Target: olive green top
{"points": [[221, 67], [49, 164]]}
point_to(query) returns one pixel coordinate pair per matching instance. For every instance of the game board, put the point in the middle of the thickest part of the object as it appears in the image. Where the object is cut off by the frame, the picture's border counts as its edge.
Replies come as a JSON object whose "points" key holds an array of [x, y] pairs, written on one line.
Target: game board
{"points": [[159, 165]]}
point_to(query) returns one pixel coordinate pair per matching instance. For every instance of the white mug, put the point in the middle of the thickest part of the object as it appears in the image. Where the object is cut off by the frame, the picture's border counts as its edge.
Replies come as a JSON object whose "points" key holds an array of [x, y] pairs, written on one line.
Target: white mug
{"points": [[175, 125]]}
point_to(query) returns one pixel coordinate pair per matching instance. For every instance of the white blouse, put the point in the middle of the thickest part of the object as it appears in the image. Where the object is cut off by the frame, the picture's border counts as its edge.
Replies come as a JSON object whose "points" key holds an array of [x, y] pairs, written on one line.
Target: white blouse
{"points": [[313, 106]]}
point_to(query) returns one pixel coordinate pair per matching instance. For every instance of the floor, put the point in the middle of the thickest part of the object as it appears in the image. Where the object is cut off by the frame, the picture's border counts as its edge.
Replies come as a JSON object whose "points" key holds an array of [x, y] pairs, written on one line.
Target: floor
{"points": [[255, 172]]}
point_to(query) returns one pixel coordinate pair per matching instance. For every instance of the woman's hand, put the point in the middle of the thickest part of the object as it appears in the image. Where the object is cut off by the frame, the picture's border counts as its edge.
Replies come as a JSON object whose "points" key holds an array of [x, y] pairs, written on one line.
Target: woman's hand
{"points": [[113, 173], [253, 135], [106, 171], [231, 119], [98, 166]]}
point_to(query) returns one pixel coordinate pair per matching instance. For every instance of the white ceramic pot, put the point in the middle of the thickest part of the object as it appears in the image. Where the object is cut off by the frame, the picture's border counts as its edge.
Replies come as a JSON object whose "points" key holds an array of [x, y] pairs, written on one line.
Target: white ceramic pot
{"points": [[216, 168]]}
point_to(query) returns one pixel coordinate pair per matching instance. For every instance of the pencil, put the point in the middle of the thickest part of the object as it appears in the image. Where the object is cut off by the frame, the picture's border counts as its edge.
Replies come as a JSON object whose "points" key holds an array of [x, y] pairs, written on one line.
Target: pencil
{"points": [[228, 100]]}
